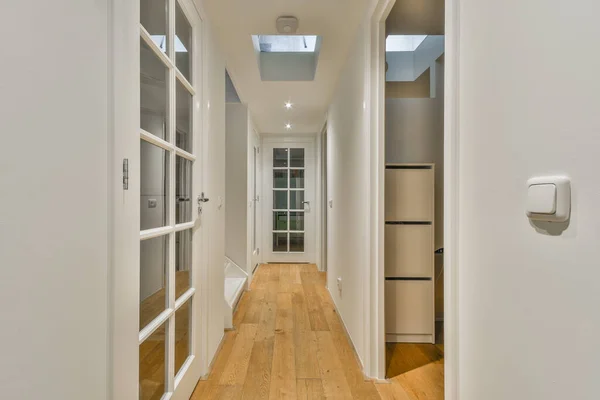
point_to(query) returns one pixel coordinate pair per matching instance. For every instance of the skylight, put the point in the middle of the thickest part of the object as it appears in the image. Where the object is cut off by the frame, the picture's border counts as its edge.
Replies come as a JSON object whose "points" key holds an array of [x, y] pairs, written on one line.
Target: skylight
{"points": [[286, 43], [403, 42], [161, 41]]}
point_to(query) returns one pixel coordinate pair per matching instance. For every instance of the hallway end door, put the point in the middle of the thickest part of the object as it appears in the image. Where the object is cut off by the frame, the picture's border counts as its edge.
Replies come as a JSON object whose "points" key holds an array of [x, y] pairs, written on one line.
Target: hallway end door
{"points": [[289, 231]]}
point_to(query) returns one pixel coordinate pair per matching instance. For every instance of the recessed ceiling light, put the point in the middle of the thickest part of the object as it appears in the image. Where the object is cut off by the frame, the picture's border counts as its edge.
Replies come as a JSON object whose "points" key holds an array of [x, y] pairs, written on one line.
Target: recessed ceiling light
{"points": [[288, 105], [288, 126]]}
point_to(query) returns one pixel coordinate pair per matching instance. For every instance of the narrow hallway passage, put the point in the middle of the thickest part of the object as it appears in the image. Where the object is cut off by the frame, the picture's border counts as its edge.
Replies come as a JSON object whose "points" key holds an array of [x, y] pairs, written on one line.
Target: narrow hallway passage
{"points": [[289, 343]]}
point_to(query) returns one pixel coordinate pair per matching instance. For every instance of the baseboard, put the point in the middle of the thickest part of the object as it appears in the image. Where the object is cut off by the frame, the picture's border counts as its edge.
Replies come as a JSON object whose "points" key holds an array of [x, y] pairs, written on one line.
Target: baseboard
{"points": [[360, 362]]}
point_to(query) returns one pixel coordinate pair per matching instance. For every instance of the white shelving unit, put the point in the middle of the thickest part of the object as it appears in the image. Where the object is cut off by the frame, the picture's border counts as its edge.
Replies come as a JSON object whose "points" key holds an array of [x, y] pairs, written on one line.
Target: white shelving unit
{"points": [[409, 253]]}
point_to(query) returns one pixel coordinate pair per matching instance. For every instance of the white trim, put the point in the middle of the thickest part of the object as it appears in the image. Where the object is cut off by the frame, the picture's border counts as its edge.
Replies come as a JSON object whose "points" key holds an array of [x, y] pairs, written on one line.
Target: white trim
{"points": [[451, 199], [156, 232], [185, 154], [149, 329], [185, 82], [183, 370], [184, 226], [155, 140], [124, 143], [374, 280], [145, 35], [184, 298]]}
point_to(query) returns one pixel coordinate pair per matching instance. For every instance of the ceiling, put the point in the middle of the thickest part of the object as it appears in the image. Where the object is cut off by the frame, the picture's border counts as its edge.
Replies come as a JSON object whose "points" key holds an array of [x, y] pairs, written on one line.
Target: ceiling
{"points": [[234, 21]]}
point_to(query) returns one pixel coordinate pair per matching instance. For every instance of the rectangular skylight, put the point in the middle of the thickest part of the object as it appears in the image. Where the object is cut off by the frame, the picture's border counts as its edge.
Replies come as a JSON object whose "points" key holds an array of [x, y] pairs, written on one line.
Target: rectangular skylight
{"points": [[403, 42], [286, 43]]}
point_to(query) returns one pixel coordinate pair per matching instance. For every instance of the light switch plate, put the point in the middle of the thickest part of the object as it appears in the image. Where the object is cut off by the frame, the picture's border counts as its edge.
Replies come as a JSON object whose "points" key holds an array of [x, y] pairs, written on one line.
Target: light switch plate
{"points": [[541, 199], [549, 198]]}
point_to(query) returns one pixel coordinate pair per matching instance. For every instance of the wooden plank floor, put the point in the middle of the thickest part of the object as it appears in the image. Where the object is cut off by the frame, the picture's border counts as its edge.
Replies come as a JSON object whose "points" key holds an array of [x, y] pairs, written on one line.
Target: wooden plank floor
{"points": [[289, 343]]}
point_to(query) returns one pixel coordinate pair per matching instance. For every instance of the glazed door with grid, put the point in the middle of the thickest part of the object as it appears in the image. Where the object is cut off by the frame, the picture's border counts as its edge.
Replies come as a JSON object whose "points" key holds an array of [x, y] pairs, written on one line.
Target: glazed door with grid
{"points": [[170, 139], [289, 224]]}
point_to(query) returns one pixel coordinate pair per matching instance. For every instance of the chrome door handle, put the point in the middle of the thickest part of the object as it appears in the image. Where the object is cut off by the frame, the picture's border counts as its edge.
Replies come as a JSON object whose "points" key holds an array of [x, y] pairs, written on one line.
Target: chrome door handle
{"points": [[306, 202]]}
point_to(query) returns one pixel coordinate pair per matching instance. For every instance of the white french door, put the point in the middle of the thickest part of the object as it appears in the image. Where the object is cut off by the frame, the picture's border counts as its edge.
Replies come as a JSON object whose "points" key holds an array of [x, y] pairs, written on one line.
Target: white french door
{"points": [[289, 206], [170, 246]]}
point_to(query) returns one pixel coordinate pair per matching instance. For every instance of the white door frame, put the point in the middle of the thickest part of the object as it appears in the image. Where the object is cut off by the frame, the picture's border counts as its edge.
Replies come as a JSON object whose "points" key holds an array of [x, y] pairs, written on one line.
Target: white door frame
{"points": [[271, 140], [124, 211], [374, 280]]}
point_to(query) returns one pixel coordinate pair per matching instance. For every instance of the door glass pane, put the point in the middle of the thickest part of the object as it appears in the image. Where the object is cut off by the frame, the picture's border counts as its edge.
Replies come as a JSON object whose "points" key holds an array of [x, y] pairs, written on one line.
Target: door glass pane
{"points": [[183, 190], [183, 261], [280, 242], [153, 16], [153, 186], [280, 178], [152, 365], [280, 221], [297, 178], [297, 158], [296, 221], [280, 199], [297, 242], [182, 334], [154, 95], [296, 199], [183, 42], [280, 157], [183, 137], [154, 256]]}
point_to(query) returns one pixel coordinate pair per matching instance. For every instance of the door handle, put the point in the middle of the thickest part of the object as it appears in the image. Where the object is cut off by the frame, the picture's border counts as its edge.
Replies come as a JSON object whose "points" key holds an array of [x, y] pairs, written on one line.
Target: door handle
{"points": [[306, 202], [202, 199]]}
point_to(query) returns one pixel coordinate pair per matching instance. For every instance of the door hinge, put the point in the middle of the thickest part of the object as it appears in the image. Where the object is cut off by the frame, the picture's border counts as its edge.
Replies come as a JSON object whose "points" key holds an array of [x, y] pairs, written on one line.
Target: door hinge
{"points": [[125, 174]]}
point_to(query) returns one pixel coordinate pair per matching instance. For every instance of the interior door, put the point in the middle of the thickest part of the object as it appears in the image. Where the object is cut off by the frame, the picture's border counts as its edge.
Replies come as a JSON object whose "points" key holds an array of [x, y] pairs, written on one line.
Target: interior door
{"points": [[170, 140], [289, 199]]}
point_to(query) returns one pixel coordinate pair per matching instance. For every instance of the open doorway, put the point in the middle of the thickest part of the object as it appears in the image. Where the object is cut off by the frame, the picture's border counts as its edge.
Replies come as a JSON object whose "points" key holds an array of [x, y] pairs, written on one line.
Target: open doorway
{"points": [[414, 197]]}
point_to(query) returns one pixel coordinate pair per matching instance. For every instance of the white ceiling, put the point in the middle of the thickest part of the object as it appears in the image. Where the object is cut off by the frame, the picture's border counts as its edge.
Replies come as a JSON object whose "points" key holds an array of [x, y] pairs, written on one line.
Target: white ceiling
{"points": [[234, 21]]}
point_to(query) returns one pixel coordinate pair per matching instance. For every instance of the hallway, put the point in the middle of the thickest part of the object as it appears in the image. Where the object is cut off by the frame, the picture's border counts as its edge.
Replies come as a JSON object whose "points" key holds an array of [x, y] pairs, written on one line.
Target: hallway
{"points": [[290, 343]]}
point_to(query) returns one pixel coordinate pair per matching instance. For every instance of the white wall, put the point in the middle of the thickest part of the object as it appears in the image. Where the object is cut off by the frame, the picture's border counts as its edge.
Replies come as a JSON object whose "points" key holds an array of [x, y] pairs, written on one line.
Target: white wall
{"points": [[528, 298], [347, 176], [236, 182], [214, 187], [53, 190]]}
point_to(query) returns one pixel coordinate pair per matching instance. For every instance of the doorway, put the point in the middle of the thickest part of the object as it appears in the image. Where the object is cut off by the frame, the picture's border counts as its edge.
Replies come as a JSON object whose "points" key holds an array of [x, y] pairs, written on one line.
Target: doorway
{"points": [[414, 198], [289, 213]]}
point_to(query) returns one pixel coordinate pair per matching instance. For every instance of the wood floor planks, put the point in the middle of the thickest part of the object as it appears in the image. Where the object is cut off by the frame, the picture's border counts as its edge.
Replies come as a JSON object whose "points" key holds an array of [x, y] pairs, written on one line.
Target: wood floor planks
{"points": [[310, 389], [289, 343]]}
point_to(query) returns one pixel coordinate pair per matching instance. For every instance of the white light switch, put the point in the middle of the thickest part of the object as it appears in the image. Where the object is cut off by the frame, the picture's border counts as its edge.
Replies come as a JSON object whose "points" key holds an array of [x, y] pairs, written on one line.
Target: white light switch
{"points": [[549, 199], [541, 199]]}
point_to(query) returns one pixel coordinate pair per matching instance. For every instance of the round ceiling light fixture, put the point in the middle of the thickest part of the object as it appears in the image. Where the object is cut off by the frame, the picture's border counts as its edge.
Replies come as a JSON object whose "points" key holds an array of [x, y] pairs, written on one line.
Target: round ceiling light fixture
{"points": [[288, 105], [287, 25], [288, 126]]}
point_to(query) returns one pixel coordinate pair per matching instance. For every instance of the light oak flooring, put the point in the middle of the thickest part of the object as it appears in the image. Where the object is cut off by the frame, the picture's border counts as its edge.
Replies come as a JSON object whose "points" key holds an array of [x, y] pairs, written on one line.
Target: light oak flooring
{"points": [[289, 343]]}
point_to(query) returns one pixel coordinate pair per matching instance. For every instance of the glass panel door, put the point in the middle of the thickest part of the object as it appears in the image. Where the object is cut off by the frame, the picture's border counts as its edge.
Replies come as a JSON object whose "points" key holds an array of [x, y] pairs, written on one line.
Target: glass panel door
{"points": [[289, 215], [288, 200], [167, 120]]}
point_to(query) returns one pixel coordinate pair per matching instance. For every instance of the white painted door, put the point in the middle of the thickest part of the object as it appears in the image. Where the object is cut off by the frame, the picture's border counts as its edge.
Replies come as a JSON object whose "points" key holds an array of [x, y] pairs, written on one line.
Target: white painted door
{"points": [[170, 177], [289, 201]]}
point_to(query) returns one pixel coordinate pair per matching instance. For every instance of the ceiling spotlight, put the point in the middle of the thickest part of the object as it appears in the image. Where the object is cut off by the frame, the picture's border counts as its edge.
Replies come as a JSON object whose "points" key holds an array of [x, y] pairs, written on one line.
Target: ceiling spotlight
{"points": [[288, 126], [288, 105]]}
